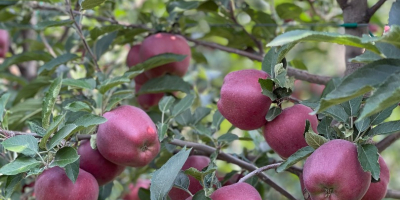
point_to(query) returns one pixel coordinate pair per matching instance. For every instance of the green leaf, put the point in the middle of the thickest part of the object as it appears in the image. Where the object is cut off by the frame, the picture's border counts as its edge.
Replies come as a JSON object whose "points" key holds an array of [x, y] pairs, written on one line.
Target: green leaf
{"points": [[78, 106], [199, 114], [106, 191], [182, 181], [46, 24], [103, 44], [32, 88], [273, 113], [110, 83], [217, 119], [49, 101], [381, 116], [288, 11], [314, 140], [314, 36], [25, 56], [298, 64], [368, 157], [387, 94], [97, 31], [183, 5], [65, 156], [200, 195], [275, 56], [294, 158], [61, 134], [267, 86], [360, 82], [387, 49], [392, 37], [3, 102], [166, 83], [36, 128], [53, 127], [72, 170], [199, 175], [183, 104], [156, 61], [324, 127], [163, 178], [394, 13], [25, 144], [363, 125], [13, 78], [116, 99], [337, 112], [161, 130], [80, 83], [385, 128], [50, 66], [184, 118], [166, 103], [89, 4], [89, 120], [351, 107], [10, 184], [19, 165], [227, 137]]}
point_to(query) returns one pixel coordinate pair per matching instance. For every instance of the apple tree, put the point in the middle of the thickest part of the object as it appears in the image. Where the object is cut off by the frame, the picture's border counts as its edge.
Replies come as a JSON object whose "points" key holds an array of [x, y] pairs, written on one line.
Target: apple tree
{"points": [[199, 99]]}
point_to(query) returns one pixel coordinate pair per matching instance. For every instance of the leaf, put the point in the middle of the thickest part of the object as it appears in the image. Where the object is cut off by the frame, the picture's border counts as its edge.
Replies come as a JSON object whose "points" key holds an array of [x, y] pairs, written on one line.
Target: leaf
{"points": [[19, 165], [217, 119], [273, 113], [288, 11], [351, 107], [183, 104], [182, 181], [368, 157], [381, 116], [72, 170], [200, 195], [36, 128], [267, 86], [161, 130], [105, 191], [385, 96], [89, 120], [324, 127], [116, 99], [165, 103], [10, 184], [25, 56], [294, 158], [13, 78], [199, 114], [337, 112], [183, 5], [80, 83], [89, 4], [144, 194], [53, 127], [227, 137], [3, 102], [163, 178], [184, 118], [394, 14], [25, 144], [46, 24], [110, 83], [78, 106], [385, 128], [32, 88], [314, 36], [103, 44], [61, 134], [275, 56], [49, 66], [49, 101], [156, 61], [198, 174], [389, 50], [392, 37], [314, 140], [360, 82], [363, 125], [166, 83], [298, 64], [97, 31], [65, 156]]}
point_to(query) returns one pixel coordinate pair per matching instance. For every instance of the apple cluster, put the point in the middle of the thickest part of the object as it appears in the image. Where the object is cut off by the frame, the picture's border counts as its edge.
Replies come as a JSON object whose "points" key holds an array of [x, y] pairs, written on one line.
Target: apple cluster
{"points": [[154, 45]]}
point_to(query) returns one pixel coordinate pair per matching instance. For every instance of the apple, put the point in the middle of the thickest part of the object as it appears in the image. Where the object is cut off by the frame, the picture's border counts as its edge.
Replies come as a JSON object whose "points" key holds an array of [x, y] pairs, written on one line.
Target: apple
{"points": [[129, 137], [334, 172], [198, 162], [54, 184], [161, 43], [242, 102], [304, 191], [237, 191], [134, 189], [93, 162], [132, 59], [148, 100], [285, 133], [377, 190], [373, 28], [4, 43]]}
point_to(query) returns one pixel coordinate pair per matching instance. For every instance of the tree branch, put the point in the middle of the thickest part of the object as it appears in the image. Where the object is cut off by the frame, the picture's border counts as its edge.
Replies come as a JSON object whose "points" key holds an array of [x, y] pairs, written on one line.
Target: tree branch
{"points": [[393, 194], [387, 141], [47, 45], [234, 160], [371, 11], [258, 171]]}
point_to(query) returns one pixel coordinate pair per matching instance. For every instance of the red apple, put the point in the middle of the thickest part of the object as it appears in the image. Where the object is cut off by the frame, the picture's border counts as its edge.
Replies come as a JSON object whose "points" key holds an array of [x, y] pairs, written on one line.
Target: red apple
{"points": [[161, 43], [4, 42], [54, 184], [241, 101], [377, 190], [373, 28], [133, 59], [129, 137], [148, 100], [93, 162], [237, 191], [304, 191], [198, 162], [134, 189], [334, 172], [285, 133]]}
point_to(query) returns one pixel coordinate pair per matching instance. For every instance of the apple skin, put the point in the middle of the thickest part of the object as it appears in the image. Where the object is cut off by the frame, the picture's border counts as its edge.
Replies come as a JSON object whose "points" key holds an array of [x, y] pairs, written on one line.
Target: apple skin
{"points": [[134, 189], [304, 191], [241, 101], [198, 162], [161, 43], [334, 166], [93, 162], [129, 137], [132, 59], [148, 100], [377, 191], [54, 184], [237, 191], [373, 27], [4, 43], [284, 134]]}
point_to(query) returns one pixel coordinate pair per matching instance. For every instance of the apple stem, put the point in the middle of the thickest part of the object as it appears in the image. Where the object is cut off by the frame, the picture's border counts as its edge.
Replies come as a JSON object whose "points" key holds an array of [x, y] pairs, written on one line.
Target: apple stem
{"points": [[258, 171]]}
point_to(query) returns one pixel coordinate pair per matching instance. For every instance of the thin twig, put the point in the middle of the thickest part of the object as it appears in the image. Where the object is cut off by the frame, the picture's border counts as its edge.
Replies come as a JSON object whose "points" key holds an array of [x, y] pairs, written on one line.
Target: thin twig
{"points": [[394, 194], [234, 160], [258, 171], [371, 11], [387, 141], [79, 31], [47, 45], [315, 11]]}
